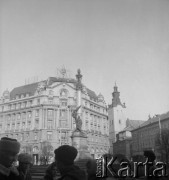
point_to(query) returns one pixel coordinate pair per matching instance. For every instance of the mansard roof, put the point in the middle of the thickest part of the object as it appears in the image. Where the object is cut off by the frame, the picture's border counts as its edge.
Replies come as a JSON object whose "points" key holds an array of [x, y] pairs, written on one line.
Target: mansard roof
{"points": [[26, 89], [132, 124], [92, 94], [154, 119], [31, 88]]}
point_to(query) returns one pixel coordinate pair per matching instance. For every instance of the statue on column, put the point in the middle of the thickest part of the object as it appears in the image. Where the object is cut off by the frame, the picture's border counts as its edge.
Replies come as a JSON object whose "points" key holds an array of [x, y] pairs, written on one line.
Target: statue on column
{"points": [[79, 80], [77, 118]]}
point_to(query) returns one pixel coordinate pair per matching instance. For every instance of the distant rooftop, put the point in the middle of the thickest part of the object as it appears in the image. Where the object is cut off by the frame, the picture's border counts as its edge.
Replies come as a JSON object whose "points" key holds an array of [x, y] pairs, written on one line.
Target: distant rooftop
{"points": [[132, 124], [154, 120]]}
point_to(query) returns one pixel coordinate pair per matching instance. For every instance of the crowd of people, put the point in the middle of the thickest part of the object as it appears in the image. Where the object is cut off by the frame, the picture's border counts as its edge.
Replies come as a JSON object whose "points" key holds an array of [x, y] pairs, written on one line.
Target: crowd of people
{"points": [[64, 164]]}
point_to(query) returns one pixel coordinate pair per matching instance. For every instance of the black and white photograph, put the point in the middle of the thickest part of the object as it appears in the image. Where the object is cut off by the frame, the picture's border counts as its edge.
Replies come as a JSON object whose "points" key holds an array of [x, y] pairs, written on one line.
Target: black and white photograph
{"points": [[84, 89]]}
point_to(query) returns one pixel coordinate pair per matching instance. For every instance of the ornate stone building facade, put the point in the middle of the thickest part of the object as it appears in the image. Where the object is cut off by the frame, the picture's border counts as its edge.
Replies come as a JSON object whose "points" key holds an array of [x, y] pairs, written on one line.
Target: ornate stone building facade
{"points": [[42, 111]]}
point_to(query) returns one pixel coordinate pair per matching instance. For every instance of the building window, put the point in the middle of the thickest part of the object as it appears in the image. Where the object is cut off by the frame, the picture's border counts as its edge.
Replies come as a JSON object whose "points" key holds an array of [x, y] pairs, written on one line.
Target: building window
{"points": [[49, 124], [37, 113], [13, 126], [63, 113], [13, 106], [50, 114], [87, 115], [16, 136], [119, 121], [9, 118], [9, 107], [29, 114], [63, 138], [23, 104], [24, 116], [87, 125], [35, 135], [49, 135], [36, 123], [23, 125], [63, 123], [19, 117], [35, 149], [63, 103], [18, 106], [18, 125], [29, 125], [22, 137], [27, 136], [0, 127]]}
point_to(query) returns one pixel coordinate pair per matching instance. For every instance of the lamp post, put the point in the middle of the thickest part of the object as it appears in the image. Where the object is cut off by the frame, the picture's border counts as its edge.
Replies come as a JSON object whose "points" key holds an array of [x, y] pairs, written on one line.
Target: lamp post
{"points": [[159, 123]]}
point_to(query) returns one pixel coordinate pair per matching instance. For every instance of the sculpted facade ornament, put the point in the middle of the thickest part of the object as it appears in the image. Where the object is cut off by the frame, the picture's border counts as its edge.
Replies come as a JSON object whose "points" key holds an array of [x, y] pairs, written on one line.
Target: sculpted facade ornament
{"points": [[77, 118], [6, 94], [41, 87]]}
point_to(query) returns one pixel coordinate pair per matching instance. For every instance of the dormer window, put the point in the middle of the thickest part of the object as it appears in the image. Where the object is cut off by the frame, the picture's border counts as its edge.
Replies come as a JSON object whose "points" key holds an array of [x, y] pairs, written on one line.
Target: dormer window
{"points": [[63, 93], [22, 95]]}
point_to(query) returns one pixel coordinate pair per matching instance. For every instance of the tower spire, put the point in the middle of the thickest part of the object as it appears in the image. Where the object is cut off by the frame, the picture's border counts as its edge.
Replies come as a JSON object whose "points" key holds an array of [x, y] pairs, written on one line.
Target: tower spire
{"points": [[115, 87], [116, 97]]}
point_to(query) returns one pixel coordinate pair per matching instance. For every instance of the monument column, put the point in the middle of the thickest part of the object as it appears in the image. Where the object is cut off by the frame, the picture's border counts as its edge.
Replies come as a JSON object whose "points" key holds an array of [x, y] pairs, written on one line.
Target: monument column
{"points": [[79, 138]]}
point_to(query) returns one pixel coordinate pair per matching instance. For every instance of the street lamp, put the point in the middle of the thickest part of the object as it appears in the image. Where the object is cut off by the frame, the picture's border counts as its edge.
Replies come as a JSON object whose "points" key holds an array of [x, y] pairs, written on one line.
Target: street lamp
{"points": [[159, 123]]}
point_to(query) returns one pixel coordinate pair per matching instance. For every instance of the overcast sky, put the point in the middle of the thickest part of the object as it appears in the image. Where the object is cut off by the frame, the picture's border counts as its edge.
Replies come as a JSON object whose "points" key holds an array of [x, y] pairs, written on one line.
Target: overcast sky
{"points": [[126, 41]]}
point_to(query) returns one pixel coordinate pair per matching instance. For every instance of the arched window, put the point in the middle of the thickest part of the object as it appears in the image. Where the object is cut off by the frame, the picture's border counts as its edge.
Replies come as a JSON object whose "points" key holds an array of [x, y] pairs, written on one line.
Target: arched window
{"points": [[35, 149]]}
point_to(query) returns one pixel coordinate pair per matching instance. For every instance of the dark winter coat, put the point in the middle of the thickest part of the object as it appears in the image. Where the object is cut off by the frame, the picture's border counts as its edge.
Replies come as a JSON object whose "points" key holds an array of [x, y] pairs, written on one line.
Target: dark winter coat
{"points": [[73, 173], [23, 176], [51, 172], [8, 174]]}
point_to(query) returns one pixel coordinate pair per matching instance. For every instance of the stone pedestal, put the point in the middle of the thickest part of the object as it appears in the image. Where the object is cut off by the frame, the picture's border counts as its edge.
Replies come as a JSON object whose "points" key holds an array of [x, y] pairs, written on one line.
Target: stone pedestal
{"points": [[79, 141]]}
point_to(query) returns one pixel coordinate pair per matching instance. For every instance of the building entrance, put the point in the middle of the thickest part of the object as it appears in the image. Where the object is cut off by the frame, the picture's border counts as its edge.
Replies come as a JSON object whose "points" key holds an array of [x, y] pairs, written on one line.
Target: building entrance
{"points": [[35, 159]]}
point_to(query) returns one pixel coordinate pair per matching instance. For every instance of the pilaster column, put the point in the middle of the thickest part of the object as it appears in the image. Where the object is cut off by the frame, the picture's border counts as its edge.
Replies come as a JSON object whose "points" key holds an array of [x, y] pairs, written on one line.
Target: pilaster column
{"points": [[26, 119], [41, 118], [46, 117]]}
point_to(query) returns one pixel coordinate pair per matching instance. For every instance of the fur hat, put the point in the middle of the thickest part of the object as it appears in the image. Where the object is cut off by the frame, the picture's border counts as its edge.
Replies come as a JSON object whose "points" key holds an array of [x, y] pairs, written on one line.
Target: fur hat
{"points": [[10, 145], [66, 154], [25, 158]]}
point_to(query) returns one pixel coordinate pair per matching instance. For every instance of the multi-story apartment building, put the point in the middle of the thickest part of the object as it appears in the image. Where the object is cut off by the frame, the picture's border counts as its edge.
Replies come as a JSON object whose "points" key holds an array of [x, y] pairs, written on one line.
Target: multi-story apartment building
{"points": [[42, 111], [144, 136]]}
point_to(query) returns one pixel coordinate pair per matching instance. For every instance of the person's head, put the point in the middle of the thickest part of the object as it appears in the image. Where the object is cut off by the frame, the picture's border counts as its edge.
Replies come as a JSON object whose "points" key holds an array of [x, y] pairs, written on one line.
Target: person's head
{"points": [[25, 161], [65, 156], [9, 148], [150, 155]]}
